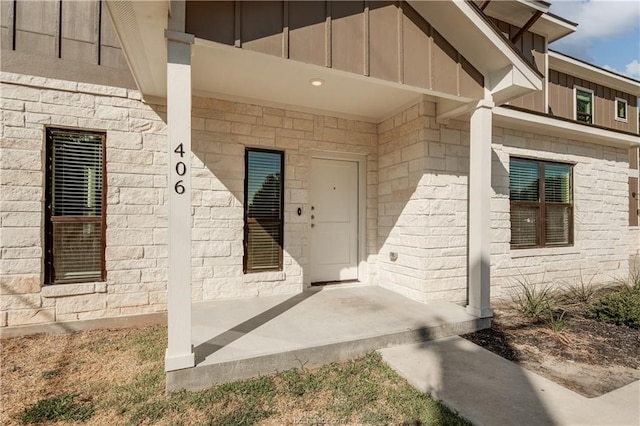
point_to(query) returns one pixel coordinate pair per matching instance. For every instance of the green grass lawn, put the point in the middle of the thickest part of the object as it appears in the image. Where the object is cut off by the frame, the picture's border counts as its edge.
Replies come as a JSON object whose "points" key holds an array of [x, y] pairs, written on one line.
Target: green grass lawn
{"points": [[117, 377]]}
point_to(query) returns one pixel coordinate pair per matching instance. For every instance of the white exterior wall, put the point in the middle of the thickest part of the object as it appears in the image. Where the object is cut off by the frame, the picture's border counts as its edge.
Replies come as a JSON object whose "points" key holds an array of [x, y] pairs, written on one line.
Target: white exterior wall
{"points": [[601, 221], [135, 209], [422, 214], [417, 173], [221, 131]]}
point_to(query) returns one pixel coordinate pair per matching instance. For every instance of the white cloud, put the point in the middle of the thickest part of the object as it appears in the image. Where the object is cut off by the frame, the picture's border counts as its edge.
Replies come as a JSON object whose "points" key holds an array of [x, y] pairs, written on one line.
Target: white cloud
{"points": [[632, 69], [597, 20]]}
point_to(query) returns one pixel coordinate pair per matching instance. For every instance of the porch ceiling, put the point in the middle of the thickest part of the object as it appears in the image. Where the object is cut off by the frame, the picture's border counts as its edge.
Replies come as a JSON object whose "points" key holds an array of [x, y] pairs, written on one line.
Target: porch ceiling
{"points": [[229, 73]]}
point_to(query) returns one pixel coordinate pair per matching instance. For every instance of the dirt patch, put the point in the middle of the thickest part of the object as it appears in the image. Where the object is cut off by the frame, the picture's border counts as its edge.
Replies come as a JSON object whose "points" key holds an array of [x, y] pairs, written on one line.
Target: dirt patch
{"points": [[586, 356]]}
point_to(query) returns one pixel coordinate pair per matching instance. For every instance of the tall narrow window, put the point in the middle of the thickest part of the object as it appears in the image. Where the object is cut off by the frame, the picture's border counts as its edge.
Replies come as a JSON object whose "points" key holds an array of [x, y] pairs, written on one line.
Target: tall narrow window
{"points": [[75, 197], [621, 109], [584, 105], [264, 201], [541, 203]]}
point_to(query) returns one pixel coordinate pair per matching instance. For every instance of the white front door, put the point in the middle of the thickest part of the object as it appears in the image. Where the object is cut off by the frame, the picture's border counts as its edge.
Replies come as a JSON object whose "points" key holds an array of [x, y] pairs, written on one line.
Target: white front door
{"points": [[334, 220]]}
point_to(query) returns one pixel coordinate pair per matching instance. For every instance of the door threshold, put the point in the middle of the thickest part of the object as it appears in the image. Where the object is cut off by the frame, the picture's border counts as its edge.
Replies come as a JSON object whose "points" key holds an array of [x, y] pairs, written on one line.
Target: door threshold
{"points": [[334, 283]]}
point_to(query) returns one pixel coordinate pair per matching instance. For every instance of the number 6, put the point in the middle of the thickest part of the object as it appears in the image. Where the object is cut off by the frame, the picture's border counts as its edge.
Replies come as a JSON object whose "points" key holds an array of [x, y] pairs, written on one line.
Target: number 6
{"points": [[179, 188]]}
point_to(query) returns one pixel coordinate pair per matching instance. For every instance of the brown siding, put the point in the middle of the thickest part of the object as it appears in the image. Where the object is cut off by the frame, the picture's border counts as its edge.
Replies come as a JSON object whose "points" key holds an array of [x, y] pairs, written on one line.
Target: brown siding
{"points": [[382, 39], [532, 47], [62, 39], [561, 101]]}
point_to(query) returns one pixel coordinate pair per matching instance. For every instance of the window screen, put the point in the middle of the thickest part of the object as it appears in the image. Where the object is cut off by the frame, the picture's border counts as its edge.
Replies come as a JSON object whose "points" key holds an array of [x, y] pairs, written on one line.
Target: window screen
{"points": [[541, 203], [263, 210], [75, 198]]}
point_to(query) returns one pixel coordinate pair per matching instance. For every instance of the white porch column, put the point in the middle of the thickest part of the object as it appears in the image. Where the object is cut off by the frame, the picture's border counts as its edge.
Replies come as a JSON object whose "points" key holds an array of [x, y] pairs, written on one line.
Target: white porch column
{"points": [[179, 350], [480, 211]]}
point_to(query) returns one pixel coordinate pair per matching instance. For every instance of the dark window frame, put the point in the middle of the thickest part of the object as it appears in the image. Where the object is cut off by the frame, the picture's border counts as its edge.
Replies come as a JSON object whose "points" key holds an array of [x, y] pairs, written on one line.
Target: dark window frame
{"points": [[620, 101], [49, 270], [541, 206], [584, 115], [247, 220]]}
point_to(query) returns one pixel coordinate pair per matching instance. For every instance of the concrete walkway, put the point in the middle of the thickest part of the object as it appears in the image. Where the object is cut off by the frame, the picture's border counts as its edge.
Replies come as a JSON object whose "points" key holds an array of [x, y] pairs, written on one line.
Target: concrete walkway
{"points": [[489, 390], [237, 339]]}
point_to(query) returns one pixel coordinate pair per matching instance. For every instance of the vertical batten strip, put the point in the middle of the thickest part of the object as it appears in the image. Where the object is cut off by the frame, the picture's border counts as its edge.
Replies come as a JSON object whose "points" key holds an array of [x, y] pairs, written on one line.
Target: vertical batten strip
{"points": [[458, 72], [58, 34], [367, 40], [327, 60], [400, 15], [98, 28], [285, 29], [238, 24], [430, 56], [14, 20]]}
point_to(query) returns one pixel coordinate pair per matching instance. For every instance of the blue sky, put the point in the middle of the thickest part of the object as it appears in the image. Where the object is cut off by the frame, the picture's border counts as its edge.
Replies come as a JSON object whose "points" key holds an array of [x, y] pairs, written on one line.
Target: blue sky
{"points": [[608, 33]]}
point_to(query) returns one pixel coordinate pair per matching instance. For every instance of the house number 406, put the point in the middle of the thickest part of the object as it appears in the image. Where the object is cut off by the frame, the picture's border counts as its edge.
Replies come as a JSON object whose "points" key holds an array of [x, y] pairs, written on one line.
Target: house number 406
{"points": [[181, 170]]}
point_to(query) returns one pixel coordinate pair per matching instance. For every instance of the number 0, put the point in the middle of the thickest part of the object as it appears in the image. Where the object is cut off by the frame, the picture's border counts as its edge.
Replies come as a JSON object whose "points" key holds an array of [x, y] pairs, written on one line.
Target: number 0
{"points": [[181, 168], [179, 188]]}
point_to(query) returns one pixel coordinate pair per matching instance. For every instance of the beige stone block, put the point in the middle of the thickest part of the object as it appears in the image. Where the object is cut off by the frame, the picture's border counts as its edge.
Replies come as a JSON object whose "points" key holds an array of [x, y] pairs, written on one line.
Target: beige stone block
{"points": [[101, 287], [102, 90], [20, 301], [67, 98], [18, 159], [123, 277], [82, 303], [22, 93], [3, 319], [30, 316], [62, 290], [19, 284], [20, 237], [121, 300]]}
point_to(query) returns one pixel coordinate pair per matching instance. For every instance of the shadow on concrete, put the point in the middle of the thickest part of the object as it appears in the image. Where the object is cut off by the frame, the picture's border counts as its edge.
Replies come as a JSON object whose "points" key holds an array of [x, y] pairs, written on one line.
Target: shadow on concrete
{"points": [[211, 346], [479, 385]]}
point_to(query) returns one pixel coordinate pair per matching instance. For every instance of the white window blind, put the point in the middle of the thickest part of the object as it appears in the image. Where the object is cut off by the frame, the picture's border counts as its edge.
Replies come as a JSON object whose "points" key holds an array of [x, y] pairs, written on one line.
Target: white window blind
{"points": [[263, 209], [75, 212], [541, 203]]}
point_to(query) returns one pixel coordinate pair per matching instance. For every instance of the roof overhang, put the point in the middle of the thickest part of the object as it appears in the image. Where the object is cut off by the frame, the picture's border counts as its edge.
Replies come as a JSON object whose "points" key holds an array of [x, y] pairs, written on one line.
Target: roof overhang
{"points": [[507, 74], [552, 126], [577, 68], [519, 12], [140, 27]]}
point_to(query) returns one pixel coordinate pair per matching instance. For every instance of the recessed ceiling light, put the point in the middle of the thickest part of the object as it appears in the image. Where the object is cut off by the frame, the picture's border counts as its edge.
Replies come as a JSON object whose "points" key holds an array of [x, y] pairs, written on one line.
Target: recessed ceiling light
{"points": [[316, 82]]}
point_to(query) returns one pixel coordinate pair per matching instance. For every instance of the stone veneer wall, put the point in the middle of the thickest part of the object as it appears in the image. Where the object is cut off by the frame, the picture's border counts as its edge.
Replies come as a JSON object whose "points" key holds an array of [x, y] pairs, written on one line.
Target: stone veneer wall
{"points": [[136, 237], [221, 131], [136, 252], [422, 214], [601, 225]]}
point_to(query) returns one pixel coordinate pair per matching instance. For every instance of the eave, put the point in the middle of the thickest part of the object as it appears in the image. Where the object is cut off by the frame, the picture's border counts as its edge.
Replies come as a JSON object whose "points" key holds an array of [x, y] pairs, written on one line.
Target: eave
{"points": [[553, 126], [577, 68]]}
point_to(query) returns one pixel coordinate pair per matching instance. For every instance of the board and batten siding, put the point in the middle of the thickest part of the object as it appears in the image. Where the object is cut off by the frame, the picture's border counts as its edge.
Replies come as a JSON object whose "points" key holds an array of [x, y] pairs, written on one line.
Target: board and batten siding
{"points": [[44, 38], [387, 40], [561, 102], [533, 48]]}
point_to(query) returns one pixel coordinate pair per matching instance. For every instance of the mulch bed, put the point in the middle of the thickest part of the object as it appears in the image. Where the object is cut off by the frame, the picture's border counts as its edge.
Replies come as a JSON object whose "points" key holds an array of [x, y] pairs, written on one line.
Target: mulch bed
{"points": [[587, 356]]}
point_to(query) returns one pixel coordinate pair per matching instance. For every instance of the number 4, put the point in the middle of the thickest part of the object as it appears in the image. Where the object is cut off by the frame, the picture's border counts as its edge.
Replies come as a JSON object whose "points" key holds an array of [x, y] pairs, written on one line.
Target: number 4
{"points": [[179, 150]]}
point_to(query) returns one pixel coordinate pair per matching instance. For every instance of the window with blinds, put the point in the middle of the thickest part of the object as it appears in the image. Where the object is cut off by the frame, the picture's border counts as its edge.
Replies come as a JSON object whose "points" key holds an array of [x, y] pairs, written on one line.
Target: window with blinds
{"points": [[264, 202], [541, 197], [75, 198], [584, 105]]}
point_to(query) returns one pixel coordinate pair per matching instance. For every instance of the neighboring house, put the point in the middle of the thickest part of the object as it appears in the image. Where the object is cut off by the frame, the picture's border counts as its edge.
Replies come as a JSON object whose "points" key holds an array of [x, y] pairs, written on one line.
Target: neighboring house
{"points": [[437, 149]]}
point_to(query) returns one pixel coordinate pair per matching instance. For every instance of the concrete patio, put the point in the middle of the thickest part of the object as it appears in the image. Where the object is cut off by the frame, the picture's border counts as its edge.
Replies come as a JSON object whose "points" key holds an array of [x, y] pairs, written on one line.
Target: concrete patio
{"points": [[238, 339]]}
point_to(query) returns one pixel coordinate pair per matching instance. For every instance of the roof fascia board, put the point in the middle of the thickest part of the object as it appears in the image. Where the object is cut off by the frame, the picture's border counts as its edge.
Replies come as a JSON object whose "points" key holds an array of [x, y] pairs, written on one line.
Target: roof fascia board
{"points": [[563, 63], [549, 125]]}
